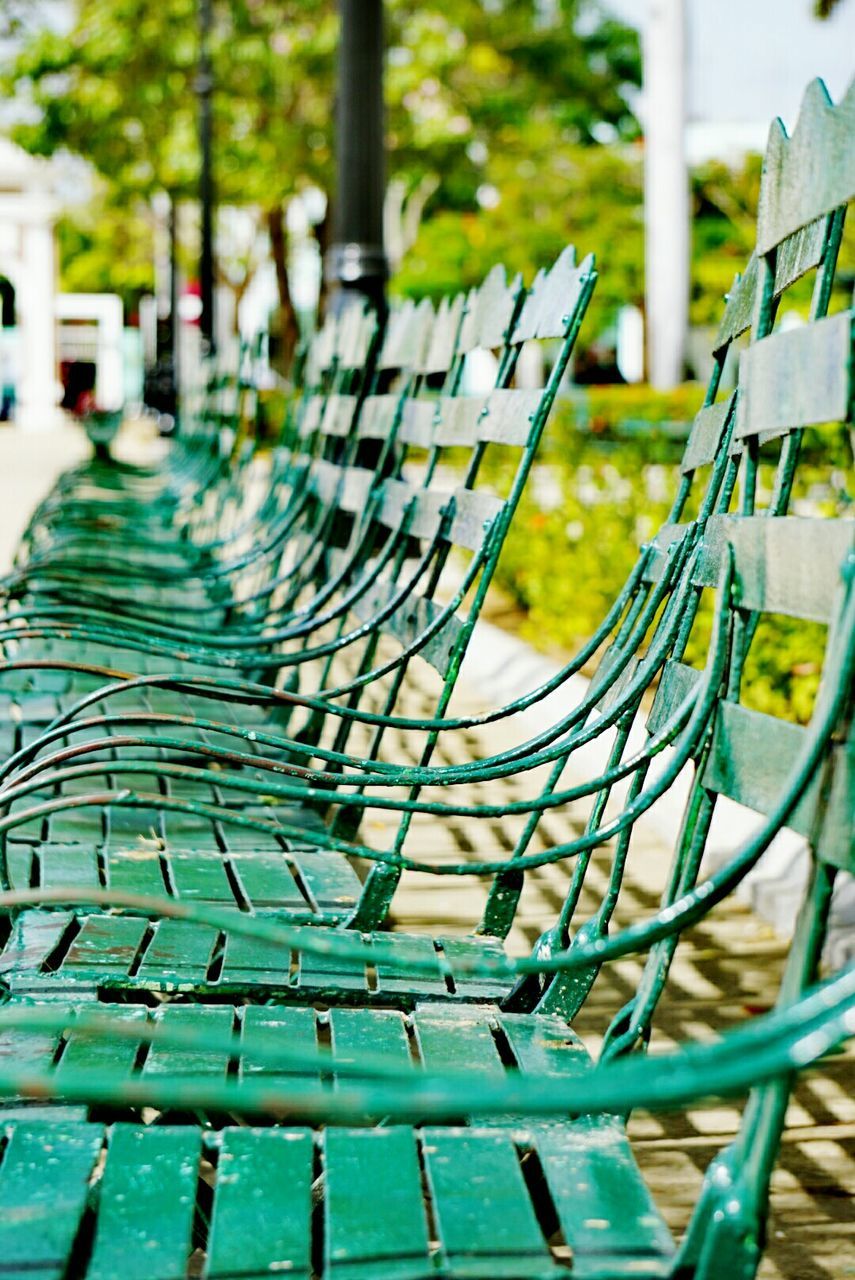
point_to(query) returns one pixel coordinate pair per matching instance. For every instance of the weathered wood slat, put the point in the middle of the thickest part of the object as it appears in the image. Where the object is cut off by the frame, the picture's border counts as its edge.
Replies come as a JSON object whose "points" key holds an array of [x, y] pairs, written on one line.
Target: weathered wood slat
{"points": [[739, 311], [442, 345], [417, 419], [751, 760], [677, 681], [377, 416], [706, 435], [338, 416], [489, 311], [457, 421], [509, 416], [551, 300], [790, 566], [799, 253]]}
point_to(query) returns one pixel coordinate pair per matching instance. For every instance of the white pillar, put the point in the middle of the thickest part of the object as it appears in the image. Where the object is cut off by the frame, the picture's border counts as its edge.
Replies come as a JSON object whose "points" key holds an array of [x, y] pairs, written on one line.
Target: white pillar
{"points": [[666, 192], [37, 390], [110, 367]]}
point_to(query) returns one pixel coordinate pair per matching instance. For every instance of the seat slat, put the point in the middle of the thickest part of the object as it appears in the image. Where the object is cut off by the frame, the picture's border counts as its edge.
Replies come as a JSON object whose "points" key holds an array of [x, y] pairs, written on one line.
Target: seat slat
{"points": [[293, 1025], [457, 1039], [371, 1031], [174, 1060], [178, 954], [94, 1053], [44, 1186], [146, 1203], [486, 1222], [261, 1221], [605, 1210], [384, 1237]]}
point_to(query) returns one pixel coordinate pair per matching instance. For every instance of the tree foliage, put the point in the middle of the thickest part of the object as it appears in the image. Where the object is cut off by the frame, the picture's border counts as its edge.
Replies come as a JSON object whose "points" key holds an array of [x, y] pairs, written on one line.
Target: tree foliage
{"points": [[471, 85]]}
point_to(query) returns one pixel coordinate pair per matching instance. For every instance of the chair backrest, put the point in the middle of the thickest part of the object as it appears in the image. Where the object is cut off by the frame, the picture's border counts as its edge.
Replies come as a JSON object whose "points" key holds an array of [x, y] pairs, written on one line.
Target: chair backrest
{"points": [[428, 603], [789, 380], [661, 613]]}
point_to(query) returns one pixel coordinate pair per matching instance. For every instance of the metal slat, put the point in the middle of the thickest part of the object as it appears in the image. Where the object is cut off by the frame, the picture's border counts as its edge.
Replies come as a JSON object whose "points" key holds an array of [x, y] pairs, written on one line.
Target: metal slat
{"points": [[172, 1060], [146, 1203], [796, 378], [605, 1210], [262, 1216], [44, 1186], [486, 1222], [386, 1239]]}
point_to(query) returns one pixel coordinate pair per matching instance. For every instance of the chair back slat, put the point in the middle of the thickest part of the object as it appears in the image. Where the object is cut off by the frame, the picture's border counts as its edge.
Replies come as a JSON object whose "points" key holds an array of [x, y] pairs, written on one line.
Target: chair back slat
{"points": [[508, 417], [706, 435], [796, 378], [799, 253], [751, 759], [489, 312], [812, 172], [441, 348], [410, 620], [377, 416], [552, 299], [789, 565], [338, 415], [457, 421], [739, 308]]}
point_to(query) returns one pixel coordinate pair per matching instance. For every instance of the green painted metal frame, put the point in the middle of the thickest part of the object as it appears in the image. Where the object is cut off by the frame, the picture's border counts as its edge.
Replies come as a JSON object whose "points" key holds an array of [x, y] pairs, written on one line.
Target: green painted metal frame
{"points": [[498, 1068]]}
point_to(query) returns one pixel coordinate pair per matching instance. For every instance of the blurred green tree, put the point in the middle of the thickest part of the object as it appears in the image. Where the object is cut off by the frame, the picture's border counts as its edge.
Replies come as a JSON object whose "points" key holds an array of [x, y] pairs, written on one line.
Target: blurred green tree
{"points": [[471, 84], [105, 248]]}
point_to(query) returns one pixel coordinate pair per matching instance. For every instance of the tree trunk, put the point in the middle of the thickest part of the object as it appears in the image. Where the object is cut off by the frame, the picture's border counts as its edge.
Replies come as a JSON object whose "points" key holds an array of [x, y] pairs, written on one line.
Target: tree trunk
{"points": [[289, 329]]}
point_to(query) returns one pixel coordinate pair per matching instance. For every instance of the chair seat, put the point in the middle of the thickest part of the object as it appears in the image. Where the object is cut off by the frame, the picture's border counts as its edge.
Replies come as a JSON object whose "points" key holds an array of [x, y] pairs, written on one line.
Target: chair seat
{"points": [[494, 1199], [63, 952]]}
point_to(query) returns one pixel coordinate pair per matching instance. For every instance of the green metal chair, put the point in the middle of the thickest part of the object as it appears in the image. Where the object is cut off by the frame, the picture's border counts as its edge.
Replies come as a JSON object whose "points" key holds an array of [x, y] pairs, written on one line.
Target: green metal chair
{"points": [[438, 1071]]}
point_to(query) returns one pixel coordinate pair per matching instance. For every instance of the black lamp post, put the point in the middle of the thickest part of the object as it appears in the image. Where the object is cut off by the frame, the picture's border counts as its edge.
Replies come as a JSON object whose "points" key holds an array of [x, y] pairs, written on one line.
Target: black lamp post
{"points": [[204, 91], [356, 263]]}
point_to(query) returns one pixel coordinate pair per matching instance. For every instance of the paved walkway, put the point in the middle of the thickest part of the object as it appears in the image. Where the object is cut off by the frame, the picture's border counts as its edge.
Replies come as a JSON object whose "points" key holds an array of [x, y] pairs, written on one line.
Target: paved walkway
{"points": [[30, 461], [725, 969]]}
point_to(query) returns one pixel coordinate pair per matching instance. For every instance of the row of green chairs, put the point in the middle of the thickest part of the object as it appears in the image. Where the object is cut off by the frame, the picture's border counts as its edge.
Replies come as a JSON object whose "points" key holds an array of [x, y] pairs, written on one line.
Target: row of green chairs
{"points": [[216, 1056]]}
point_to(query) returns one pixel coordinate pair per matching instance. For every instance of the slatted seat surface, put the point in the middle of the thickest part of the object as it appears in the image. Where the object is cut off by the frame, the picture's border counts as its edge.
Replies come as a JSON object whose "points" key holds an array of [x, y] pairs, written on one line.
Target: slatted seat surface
{"points": [[508, 1199], [261, 880], [240, 1202], [61, 951]]}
